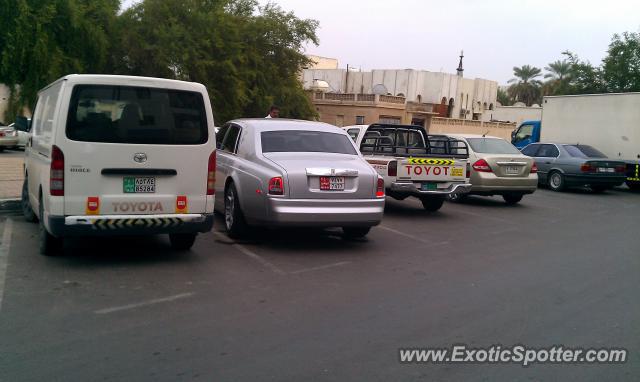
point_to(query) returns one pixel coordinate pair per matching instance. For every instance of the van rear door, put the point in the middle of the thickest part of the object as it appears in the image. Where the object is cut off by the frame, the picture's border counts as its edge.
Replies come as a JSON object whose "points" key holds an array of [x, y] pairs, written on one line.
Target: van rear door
{"points": [[136, 150]]}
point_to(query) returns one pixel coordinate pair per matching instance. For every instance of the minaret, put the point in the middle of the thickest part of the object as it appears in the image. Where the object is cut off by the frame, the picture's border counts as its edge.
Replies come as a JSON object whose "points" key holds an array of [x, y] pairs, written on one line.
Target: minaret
{"points": [[460, 69]]}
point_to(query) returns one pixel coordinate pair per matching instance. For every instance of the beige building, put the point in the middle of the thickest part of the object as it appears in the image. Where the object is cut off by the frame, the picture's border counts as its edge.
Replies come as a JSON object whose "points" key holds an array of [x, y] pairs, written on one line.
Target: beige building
{"points": [[451, 95], [320, 62]]}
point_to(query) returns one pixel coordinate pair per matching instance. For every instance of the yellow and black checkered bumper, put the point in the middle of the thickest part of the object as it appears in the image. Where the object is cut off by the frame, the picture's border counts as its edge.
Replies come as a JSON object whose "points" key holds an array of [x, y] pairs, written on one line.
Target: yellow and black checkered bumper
{"points": [[129, 224]]}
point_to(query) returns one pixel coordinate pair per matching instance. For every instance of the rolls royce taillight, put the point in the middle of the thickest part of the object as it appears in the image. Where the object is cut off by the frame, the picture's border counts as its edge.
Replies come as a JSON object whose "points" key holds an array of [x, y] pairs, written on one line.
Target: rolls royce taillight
{"points": [[276, 186]]}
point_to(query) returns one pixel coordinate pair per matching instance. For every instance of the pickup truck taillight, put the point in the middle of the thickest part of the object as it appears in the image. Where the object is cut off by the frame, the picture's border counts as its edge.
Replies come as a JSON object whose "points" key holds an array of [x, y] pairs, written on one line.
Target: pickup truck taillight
{"points": [[211, 174], [481, 165], [534, 168], [380, 188], [468, 170], [392, 168], [587, 167], [56, 175], [276, 186]]}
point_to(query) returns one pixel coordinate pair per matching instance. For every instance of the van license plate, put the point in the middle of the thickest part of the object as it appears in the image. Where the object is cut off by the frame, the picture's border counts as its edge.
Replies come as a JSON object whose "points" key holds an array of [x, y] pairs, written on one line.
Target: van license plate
{"points": [[136, 185], [332, 183]]}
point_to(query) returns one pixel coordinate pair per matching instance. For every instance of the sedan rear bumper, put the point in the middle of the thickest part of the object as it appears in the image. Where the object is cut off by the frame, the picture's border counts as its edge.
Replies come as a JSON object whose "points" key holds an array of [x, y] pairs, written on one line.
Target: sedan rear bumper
{"points": [[600, 180], [324, 212], [490, 184]]}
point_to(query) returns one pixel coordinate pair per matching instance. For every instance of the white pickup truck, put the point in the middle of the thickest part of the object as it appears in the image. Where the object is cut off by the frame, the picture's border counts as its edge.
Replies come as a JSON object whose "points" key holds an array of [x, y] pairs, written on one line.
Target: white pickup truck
{"points": [[413, 163]]}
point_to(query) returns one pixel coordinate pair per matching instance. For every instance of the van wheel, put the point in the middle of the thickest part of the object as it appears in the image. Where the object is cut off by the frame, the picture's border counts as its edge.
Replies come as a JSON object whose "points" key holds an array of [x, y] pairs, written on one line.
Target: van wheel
{"points": [[49, 244], [182, 241], [432, 203], [233, 217], [511, 199], [355, 232], [556, 181], [27, 211]]}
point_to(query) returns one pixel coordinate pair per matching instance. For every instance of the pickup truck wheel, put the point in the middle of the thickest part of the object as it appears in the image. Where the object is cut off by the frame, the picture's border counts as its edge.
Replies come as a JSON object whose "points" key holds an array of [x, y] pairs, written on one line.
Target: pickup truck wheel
{"points": [[556, 181], [49, 244], [432, 203], [27, 211], [182, 241], [355, 232], [511, 199], [233, 217], [456, 198]]}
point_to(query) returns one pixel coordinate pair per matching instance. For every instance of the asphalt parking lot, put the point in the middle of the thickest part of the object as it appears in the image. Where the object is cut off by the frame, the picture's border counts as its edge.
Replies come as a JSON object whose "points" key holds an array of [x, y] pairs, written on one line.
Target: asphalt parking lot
{"points": [[560, 268]]}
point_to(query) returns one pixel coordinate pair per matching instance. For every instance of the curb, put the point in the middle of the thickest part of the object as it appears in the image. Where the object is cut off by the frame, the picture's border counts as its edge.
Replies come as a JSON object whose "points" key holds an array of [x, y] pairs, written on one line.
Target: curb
{"points": [[10, 205]]}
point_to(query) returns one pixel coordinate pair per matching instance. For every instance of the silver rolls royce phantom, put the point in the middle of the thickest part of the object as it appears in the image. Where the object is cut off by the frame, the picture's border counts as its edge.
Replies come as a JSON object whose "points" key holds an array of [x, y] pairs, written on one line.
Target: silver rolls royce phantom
{"points": [[279, 172]]}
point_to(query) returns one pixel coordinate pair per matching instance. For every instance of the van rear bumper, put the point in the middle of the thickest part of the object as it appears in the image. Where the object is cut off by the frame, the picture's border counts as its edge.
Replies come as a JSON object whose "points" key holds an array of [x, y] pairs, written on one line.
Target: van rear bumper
{"points": [[105, 225]]}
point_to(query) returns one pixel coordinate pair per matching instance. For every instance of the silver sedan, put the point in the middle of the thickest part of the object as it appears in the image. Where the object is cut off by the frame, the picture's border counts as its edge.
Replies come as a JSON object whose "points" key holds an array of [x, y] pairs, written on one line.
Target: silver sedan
{"points": [[278, 172]]}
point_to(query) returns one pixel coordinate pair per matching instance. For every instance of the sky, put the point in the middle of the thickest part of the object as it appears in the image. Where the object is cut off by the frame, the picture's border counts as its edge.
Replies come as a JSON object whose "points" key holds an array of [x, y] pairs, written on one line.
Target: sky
{"points": [[495, 35]]}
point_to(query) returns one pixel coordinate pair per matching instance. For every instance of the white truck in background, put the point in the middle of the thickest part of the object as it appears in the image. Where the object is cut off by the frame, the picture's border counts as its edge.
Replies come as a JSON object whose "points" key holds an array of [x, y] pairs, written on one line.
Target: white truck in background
{"points": [[413, 163], [608, 122]]}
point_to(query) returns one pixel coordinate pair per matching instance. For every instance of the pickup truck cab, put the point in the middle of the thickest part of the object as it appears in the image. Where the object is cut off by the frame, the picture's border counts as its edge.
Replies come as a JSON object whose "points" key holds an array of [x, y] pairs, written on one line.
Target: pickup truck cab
{"points": [[413, 163]]}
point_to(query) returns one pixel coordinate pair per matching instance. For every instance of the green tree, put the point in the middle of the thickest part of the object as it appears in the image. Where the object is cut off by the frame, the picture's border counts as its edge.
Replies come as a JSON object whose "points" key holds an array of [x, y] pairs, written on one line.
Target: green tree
{"points": [[525, 87], [503, 97], [558, 75], [41, 41], [621, 66], [585, 78], [247, 56]]}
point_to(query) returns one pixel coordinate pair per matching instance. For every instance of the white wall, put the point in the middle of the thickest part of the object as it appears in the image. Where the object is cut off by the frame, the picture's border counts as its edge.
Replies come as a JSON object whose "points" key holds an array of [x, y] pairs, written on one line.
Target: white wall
{"points": [[517, 114]]}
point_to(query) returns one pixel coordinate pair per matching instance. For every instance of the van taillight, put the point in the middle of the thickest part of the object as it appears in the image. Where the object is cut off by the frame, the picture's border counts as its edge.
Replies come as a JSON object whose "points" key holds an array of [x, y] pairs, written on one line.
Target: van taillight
{"points": [[56, 176], [481, 165], [380, 188], [534, 168], [211, 174], [276, 186], [392, 168]]}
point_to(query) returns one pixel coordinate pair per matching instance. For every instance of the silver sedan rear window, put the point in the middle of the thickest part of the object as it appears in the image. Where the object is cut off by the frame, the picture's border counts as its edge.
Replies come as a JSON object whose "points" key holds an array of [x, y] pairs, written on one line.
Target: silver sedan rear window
{"points": [[295, 141]]}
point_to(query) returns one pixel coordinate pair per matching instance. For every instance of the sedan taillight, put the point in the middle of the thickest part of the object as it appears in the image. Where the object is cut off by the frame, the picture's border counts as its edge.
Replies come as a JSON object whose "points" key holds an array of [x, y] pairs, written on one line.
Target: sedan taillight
{"points": [[620, 168], [380, 188], [534, 168], [587, 167], [481, 165], [276, 186]]}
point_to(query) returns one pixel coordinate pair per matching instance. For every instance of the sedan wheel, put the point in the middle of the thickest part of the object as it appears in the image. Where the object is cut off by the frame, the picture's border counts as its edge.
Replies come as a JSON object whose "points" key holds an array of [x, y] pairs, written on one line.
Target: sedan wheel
{"points": [[511, 199], [556, 181], [233, 217]]}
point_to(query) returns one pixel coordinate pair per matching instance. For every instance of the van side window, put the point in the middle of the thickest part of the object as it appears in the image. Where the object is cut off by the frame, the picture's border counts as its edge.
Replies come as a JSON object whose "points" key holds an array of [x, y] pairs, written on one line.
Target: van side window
{"points": [[231, 139], [37, 117], [50, 108]]}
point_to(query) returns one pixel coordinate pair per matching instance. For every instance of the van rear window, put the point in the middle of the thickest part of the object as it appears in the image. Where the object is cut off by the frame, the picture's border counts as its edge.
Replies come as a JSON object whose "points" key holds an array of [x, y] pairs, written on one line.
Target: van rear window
{"points": [[140, 115]]}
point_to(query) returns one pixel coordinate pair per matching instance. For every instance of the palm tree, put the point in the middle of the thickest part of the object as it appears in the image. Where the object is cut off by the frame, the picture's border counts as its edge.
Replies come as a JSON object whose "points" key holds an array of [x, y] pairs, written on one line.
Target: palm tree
{"points": [[559, 73], [525, 87]]}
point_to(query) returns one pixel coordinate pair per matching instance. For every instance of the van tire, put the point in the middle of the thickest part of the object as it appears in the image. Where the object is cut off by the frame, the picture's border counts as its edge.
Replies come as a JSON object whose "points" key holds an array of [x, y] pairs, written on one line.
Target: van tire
{"points": [[27, 211], [355, 232], [233, 218], [49, 244], [182, 241], [432, 203]]}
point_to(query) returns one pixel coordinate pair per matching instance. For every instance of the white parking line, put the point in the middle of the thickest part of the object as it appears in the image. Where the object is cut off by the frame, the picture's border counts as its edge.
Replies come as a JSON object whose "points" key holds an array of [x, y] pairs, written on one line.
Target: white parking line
{"points": [[254, 256], [143, 303], [321, 267], [412, 237], [4, 254]]}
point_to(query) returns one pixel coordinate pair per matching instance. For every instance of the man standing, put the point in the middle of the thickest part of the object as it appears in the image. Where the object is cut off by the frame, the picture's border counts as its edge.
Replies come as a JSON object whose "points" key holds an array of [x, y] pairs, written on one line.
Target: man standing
{"points": [[274, 112]]}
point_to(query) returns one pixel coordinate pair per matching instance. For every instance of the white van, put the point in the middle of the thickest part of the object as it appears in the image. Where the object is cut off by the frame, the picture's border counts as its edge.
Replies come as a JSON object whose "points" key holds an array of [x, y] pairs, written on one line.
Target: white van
{"points": [[112, 155]]}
